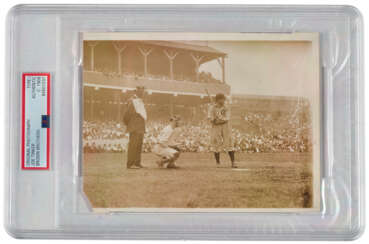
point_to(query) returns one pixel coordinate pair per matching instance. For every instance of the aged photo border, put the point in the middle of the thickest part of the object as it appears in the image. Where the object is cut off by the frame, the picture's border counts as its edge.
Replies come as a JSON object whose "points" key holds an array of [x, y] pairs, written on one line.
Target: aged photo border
{"points": [[315, 103]]}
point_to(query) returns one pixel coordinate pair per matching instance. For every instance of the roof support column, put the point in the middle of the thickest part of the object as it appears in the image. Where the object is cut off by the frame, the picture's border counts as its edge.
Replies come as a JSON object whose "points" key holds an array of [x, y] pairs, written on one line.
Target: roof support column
{"points": [[222, 65], [92, 101], [92, 46], [197, 59], [145, 53], [119, 47], [171, 56]]}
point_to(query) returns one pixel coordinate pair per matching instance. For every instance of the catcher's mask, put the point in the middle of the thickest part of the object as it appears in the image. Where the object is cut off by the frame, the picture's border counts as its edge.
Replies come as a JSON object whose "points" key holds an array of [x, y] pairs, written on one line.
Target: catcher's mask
{"points": [[175, 118]]}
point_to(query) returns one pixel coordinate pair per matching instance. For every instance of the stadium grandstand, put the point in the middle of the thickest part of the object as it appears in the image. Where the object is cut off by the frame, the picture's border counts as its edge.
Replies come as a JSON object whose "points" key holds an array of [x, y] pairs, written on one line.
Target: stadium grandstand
{"points": [[169, 70]]}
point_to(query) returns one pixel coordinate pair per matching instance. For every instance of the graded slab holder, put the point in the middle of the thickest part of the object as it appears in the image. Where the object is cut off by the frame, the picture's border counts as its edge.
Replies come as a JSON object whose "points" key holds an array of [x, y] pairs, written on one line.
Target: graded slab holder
{"points": [[47, 76]]}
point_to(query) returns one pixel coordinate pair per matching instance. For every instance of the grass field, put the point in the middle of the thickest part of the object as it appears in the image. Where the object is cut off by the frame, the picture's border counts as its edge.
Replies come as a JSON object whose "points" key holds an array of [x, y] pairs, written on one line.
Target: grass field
{"points": [[263, 180]]}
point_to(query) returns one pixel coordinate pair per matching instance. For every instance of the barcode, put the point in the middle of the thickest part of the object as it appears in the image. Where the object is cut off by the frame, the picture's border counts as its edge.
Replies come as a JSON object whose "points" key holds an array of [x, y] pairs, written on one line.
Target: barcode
{"points": [[43, 86]]}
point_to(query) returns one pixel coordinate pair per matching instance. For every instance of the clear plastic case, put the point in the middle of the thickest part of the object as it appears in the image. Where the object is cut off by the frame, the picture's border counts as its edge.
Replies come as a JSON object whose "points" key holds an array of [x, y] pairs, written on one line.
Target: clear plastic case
{"points": [[51, 204]]}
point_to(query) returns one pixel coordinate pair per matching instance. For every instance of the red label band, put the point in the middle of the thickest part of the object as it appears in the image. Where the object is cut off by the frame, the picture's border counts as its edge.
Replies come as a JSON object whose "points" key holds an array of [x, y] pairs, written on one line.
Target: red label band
{"points": [[35, 121]]}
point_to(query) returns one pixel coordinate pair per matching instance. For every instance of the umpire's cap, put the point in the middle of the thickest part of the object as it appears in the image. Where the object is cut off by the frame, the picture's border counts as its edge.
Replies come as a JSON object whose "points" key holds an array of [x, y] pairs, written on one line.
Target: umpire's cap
{"points": [[219, 96]]}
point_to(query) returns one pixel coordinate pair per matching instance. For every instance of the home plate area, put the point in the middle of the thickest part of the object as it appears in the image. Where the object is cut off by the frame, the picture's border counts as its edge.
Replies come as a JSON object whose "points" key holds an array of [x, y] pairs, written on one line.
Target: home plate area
{"points": [[262, 180]]}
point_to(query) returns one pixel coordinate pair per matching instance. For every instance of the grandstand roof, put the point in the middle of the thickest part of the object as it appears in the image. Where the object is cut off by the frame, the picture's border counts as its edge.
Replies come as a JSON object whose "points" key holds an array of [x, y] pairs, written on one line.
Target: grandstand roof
{"points": [[187, 46]]}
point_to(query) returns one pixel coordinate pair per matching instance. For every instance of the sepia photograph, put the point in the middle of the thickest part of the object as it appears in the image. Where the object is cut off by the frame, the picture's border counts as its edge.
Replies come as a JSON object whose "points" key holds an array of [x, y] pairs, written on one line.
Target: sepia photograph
{"points": [[201, 121]]}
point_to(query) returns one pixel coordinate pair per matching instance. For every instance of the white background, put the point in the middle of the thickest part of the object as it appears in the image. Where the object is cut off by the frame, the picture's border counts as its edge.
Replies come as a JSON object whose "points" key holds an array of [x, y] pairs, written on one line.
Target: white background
{"points": [[5, 5]]}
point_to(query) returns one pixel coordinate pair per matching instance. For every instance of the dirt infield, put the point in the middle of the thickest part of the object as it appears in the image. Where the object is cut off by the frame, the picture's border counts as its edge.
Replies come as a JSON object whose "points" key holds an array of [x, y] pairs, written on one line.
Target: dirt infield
{"points": [[263, 180]]}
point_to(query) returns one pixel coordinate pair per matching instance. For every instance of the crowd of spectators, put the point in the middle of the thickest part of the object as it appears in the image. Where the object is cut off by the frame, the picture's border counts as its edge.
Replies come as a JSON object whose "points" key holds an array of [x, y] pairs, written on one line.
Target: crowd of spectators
{"points": [[207, 77], [106, 136], [293, 137]]}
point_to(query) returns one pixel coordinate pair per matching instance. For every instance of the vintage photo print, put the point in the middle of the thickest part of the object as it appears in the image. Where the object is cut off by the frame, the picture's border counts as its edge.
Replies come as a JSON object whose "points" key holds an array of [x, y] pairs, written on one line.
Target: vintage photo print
{"points": [[201, 121]]}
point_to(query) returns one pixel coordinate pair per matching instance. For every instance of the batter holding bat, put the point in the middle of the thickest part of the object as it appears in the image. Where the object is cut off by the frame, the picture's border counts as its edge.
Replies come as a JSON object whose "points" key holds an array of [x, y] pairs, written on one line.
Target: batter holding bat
{"points": [[221, 132]]}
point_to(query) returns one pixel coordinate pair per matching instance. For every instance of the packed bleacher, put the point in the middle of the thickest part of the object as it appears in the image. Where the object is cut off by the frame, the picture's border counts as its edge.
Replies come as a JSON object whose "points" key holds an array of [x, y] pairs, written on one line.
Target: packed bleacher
{"points": [[104, 137], [292, 136]]}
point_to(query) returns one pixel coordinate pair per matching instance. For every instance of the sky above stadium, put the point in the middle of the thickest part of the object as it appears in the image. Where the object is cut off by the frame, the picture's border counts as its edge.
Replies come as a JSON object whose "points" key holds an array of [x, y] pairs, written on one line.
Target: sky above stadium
{"points": [[266, 68]]}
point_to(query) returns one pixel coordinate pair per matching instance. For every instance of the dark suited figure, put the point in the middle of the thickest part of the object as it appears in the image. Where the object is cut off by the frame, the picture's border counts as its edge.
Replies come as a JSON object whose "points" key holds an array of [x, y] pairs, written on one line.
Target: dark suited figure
{"points": [[135, 118]]}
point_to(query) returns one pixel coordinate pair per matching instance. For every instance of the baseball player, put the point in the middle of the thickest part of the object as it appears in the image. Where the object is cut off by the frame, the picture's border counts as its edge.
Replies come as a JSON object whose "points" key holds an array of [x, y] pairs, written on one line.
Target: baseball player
{"points": [[167, 148], [221, 131]]}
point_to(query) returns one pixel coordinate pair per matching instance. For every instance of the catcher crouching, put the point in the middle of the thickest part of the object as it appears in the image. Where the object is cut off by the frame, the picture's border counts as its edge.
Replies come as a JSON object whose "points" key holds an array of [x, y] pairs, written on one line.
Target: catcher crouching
{"points": [[167, 148]]}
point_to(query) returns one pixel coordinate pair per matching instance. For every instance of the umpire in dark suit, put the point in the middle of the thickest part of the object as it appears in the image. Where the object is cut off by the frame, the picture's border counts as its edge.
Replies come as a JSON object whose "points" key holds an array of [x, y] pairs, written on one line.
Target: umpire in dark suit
{"points": [[135, 120]]}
